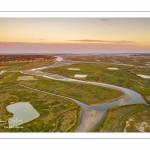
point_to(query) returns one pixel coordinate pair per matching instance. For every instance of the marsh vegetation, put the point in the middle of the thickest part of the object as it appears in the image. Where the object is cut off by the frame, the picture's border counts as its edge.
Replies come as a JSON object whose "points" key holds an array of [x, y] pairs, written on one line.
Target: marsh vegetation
{"points": [[132, 118], [59, 114], [56, 114], [125, 76]]}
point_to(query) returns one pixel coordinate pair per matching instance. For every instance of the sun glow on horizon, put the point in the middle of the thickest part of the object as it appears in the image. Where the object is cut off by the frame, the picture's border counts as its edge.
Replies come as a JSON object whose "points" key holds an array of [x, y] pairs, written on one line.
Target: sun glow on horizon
{"points": [[111, 33]]}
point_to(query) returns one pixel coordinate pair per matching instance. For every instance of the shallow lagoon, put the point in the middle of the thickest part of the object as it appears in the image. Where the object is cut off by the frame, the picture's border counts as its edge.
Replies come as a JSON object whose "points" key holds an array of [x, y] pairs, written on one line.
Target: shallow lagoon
{"points": [[112, 68], [73, 69], [143, 76], [80, 75], [23, 113]]}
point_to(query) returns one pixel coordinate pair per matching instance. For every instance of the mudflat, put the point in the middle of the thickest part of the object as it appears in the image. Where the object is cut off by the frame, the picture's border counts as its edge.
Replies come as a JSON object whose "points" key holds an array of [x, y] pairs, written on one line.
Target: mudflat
{"points": [[90, 119]]}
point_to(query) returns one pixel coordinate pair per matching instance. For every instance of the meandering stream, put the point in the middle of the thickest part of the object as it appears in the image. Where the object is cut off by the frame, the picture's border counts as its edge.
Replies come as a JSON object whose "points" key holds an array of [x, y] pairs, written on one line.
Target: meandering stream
{"points": [[130, 96]]}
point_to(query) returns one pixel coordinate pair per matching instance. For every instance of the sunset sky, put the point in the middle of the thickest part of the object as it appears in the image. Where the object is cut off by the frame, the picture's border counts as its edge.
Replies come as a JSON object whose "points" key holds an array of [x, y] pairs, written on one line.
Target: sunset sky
{"points": [[74, 35]]}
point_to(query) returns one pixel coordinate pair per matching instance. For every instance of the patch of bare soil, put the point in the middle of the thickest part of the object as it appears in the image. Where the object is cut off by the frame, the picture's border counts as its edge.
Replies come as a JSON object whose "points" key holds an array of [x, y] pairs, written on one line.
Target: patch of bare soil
{"points": [[90, 119], [26, 78]]}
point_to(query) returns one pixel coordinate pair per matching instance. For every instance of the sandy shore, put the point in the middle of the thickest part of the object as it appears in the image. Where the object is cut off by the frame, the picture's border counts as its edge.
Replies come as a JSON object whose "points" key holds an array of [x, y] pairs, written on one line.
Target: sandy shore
{"points": [[90, 119]]}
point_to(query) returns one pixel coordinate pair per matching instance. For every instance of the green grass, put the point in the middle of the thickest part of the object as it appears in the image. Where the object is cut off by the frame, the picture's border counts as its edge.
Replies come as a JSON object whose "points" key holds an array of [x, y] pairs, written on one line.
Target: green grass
{"points": [[88, 94], [24, 65], [117, 118], [145, 71], [11, 66], [56, 114], [67, 117], [125, 76], [36, 65], [134, 60]]}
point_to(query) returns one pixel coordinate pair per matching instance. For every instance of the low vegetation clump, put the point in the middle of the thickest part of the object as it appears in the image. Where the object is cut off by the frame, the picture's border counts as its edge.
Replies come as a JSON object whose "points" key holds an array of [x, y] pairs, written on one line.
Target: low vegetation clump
{"points": [[56, 114], [131, 118], [59, 114], [36, 65], [88, 94], [125, 76], [130, 60], [24, 65]]}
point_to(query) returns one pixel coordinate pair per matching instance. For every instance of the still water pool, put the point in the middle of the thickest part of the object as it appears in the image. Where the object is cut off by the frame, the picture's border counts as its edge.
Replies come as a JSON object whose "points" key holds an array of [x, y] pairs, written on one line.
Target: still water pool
{"points": [[23, 112]]}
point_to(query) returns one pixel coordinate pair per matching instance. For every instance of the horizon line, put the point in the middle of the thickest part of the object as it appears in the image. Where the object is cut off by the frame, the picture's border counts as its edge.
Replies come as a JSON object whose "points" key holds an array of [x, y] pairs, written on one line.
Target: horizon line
{"points": [[82, 53]]}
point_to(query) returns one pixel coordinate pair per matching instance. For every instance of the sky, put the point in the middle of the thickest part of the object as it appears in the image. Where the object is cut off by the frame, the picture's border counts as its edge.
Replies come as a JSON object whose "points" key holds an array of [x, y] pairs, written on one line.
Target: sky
{"points": [[74, 35]]}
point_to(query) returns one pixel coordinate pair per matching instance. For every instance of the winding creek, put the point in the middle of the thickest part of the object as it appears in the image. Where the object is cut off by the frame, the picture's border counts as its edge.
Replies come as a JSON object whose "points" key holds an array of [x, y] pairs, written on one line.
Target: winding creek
{"points": [[92, 115]]}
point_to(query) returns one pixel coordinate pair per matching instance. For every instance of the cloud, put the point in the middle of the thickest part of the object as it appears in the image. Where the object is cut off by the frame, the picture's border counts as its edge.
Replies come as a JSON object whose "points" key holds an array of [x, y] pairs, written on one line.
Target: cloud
{"points": [[38, 39], [83, 41], [104, 19], [41, 39], [104, 41], [126, 42]]}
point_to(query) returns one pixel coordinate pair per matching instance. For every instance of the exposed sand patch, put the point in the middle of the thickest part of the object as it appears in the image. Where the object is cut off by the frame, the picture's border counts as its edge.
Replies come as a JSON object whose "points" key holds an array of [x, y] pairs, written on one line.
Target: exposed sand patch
{"points": [[80, 75], [34, 69], [141, 127], [73, 69], [112, 68], [143, 76], [128, 124], [147, 64], [59, 58], [125, 100], [26, 78], [148, 97], [90, 119]]}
